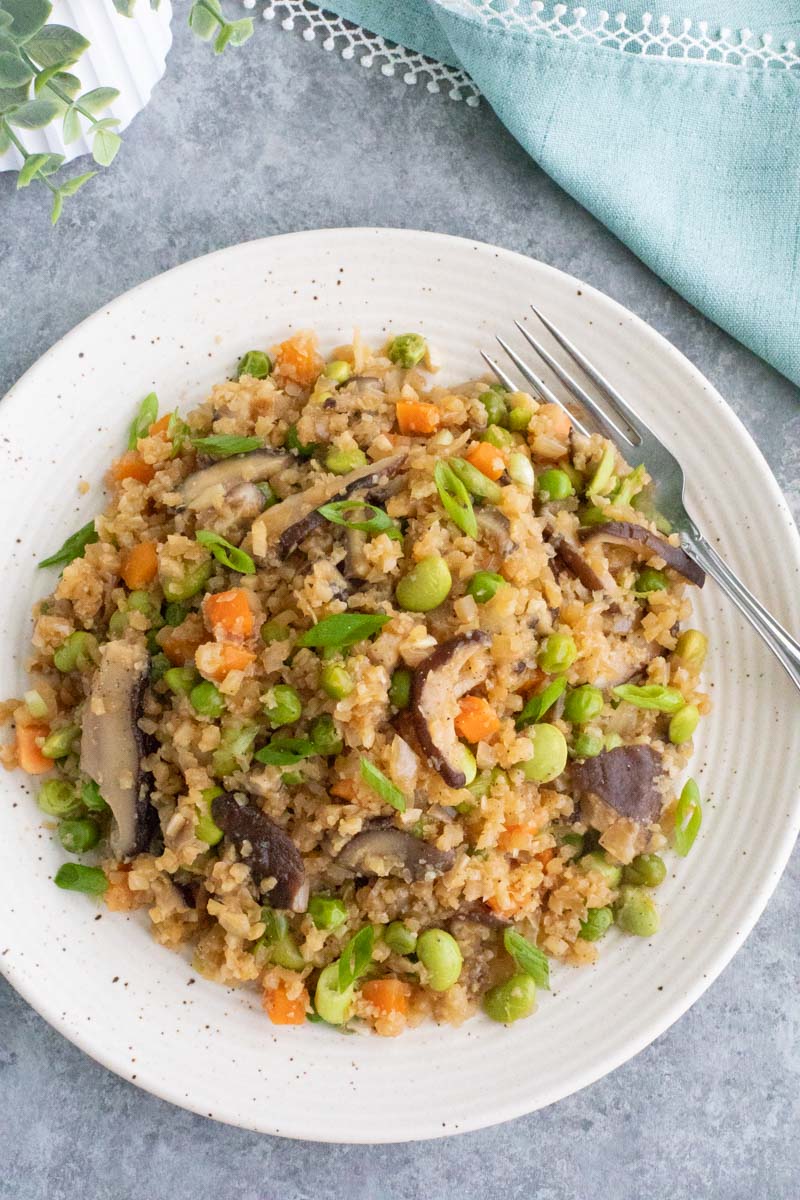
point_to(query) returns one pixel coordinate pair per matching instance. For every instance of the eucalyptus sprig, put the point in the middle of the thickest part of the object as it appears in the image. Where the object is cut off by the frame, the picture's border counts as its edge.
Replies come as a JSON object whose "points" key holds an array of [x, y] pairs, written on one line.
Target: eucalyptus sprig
{"points": [[37, 88]]}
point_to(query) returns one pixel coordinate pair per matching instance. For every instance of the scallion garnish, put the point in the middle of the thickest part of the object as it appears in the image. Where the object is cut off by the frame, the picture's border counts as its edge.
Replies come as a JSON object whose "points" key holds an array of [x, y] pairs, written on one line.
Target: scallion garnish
{"points": [[225, 445], [379, 522], [382, 786], [688, 818], [537, 706], [73, 547], [356, 957], [342, 629], [230, 556], [285, 752], [145, 416], [529, 958], [455, 499]]}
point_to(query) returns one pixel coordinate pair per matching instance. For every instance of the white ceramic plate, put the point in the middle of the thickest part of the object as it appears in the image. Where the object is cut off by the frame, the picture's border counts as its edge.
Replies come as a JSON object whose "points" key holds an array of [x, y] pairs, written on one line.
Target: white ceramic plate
{"points": [[138, 1008]]}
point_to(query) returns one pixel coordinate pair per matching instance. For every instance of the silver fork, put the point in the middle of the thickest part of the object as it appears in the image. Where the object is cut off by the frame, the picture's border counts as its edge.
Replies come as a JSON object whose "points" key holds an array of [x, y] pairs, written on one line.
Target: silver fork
{"points": [[630, 433]]}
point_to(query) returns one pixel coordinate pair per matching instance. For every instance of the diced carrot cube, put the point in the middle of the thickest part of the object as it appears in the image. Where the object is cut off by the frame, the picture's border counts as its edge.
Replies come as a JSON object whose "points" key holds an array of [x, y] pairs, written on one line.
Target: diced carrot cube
{"points": [[282, 1010], [161, 425], [131, 466], [476, 720], [517, 837], [140, 565], [416, 416], [215, 660], [29, 754], [389, 996], [297, 359], [228, 614], [487, 459]]}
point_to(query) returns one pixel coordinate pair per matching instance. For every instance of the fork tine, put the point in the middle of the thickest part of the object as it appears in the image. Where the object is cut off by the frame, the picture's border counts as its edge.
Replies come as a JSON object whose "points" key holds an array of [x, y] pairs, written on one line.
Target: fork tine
{"points": [[608, 427], [541, 386], [497, 370], [620, 406]]}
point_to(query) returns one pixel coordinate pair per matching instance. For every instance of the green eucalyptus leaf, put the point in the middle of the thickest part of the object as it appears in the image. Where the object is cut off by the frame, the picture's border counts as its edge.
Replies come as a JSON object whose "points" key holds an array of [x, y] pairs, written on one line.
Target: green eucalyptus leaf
{"points": [[30, 169], [72, 126], [202, 22], [34, 114], [13, 71], [54, 161], [68, 83], [58, 205], [106, 123], [73, 185], [7, 44], [43, 78], [5, 140], [56, 44], [105, 147], [11, 98], [223, 37], [98, 99], [125, 7], [27, 17], [5, 19], [241, 31]]}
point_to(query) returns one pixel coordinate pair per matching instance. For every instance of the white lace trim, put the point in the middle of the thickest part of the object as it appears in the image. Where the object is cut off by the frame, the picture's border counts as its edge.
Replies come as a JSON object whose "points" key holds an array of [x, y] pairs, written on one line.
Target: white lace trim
{"points": [[658, 37]]}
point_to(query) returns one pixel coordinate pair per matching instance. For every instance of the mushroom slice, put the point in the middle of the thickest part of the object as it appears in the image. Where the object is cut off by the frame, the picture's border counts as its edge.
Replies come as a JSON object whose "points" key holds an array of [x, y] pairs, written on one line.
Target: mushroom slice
{"points": [[624, 779], [112, 745], [384, 850], [645, 544], [270, 852], [203, 488], [497, 528], [574, 562], [289, 522], [439, 682], [479, 913]]}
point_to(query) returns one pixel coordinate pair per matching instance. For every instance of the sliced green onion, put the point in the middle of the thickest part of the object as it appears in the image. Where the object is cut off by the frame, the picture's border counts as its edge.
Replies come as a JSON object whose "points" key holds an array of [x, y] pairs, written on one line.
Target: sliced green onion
{"points": [[382, 786], [455, 499], [356, 957], [379, 522], [688, 818], [285, 752], [536, 707], [630, 486], [343, 629], [35, 705], [652, 696], [177, 432], [147, 413], [74, 877], [529, 958], [603, 474], [254, 363], [73, 547], [225, 445], [230, 556]]}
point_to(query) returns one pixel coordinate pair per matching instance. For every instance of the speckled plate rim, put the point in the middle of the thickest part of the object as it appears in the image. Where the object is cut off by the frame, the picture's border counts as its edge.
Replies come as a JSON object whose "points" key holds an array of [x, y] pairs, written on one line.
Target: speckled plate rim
{"points": [[493, 1109]]}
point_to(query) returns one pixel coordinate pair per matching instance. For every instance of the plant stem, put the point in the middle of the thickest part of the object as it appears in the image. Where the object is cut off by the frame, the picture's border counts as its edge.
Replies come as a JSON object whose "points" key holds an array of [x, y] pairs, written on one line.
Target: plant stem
{"points": [[57, 91], [25, 153], [204, 4]]}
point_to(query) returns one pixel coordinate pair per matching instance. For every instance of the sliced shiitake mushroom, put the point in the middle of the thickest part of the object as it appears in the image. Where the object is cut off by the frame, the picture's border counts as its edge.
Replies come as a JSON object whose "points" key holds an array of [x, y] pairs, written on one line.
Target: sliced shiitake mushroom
{"points": [[644, 544], [623, 778], [574, 562], [266, 848], [453, 669], [384, 850], [205, 487], [112, 744]]}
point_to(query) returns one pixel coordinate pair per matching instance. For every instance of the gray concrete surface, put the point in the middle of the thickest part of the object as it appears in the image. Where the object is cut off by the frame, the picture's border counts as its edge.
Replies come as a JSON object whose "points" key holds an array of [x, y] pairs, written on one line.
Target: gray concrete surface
{"points": [[279, 136]]}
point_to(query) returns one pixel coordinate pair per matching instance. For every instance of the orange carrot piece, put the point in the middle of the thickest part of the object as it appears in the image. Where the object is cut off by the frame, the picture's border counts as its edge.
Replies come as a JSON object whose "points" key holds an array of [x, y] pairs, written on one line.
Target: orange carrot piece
{"points": [[161, 425], [297, 359], [476, 720], [131, 466], [29, 755], [415, 416], [389, 996], [215, 660], [557, 420], [487, 459], [284, 1011], [228, 614], [343, 788], [139, 565], [546, 856], [517, 837]]}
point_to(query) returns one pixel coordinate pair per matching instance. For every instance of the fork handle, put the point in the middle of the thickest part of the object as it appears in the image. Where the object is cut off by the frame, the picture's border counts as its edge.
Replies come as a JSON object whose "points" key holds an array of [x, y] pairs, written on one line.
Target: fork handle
{"points": [[785, 648]]}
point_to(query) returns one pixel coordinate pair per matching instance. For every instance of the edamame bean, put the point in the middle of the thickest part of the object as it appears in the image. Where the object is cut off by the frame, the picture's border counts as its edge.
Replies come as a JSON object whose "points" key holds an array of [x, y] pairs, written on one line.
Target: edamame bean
{"points": [[58, 798], [192, 580], [78, 652], [338, 370], [282, 705], [331, 1004], [555, 485], [440, 954], [681, 726], [587, 745], [598, 861], [549, 753], [558, 653], [399, 938], [254, 363], [512, 1000], [342, 462], [598, 922], [692, 647], [207, 699], [646, 870], [636, 912], [59, 744], [143, 602], [325, 736], [407, 349], [519, 419], [426, 586], [495, 405], [327, 912], [335, 681], [400, 688], [650, 580], [484, 585], [583, 704], [78, 836]]}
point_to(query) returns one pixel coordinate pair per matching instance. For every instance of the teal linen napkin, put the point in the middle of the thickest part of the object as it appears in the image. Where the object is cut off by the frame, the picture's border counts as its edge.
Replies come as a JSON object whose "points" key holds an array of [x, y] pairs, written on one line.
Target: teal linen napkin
{"points": [[694, 164]]}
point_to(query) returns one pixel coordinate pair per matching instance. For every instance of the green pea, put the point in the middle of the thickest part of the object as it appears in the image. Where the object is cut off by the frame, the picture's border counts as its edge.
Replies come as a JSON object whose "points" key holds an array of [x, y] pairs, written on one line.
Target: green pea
{"points": [[519, 419], [338, 370], [682, 725], [646, 870], [275, 631], [587, 745], [206, 699], [592, 515], [327, 912], [636, 912], [600, 862], [58, 798], [520, 469], [512, 1000], [159, 665], [117, 623], [91, 798], [254, 363], [206, 828], [335, 681], [143, 602], [583, 704], [332, 1005], [440, 954], [180, 680], [325, 737], [293, 778], [692, 647], [78, 652], [549, 753], [598, 922], [501, 439], [495, 405], [650, 580], [235, 748], [60, 743], [283, 705], [483, 585], [78, 836], [193, 579], [555, 484], [558, 653], [292, 442], [342, 462], [399, 938], [612, 740], [476, 483], [176, 613], [278, 937], [407, 349], [426, 586], [400, 688], [74, 877]]}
